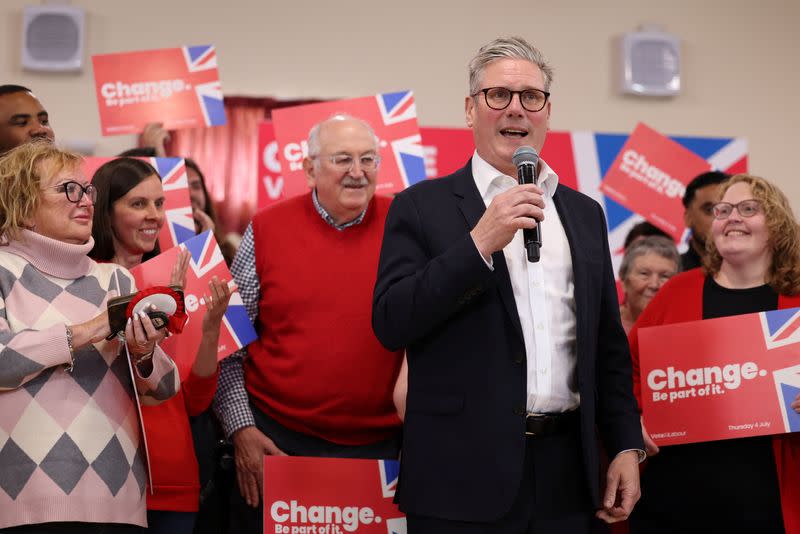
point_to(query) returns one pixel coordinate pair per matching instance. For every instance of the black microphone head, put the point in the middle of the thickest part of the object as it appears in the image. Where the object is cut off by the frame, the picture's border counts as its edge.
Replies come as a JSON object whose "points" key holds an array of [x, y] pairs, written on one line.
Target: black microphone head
{"points": [[525, 155]]}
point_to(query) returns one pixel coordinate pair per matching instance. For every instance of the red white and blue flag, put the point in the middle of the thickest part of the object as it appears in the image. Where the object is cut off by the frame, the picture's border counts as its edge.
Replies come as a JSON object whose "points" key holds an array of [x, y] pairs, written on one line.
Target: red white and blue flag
{"points": [[206, 261], [178, 224], [333, 495], [393, 116], [178, 87]]}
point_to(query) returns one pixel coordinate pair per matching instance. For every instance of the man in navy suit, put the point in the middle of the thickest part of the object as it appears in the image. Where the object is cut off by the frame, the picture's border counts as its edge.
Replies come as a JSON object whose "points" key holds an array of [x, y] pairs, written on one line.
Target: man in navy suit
{"points": [[515, 368]]}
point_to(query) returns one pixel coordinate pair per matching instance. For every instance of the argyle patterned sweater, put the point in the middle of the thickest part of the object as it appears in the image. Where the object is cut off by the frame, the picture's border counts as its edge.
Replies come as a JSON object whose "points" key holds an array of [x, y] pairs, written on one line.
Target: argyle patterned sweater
{"points": [[70, 444]]}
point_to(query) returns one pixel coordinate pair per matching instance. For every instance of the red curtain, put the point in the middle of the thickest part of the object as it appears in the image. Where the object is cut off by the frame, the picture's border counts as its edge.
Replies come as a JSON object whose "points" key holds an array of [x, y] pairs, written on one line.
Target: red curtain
{"points": [[228, 156]]}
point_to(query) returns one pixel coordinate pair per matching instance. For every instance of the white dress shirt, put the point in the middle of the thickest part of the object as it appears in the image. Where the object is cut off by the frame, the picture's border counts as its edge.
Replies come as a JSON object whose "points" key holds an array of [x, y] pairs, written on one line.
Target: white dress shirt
{"points": [[544, 293]]}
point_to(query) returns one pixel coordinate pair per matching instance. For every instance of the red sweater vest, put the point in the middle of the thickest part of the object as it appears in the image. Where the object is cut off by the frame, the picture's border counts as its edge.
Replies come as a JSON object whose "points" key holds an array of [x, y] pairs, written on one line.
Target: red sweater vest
{"points": [[317, 367]]}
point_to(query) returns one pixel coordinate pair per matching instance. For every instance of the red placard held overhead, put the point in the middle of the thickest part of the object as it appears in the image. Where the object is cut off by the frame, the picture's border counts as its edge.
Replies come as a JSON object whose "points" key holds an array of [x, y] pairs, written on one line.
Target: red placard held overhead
{"points": [[393, 116], [721, 378], [649, 177], [178, 87]]}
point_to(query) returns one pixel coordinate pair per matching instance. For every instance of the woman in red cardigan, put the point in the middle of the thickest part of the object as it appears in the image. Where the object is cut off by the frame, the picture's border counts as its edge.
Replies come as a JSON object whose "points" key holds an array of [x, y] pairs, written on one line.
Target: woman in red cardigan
{"points": [[747, 484], [128, 216]]}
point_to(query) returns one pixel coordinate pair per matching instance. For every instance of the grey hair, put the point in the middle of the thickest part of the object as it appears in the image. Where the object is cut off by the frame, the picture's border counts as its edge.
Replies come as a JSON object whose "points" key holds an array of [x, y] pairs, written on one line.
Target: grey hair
{"points": [[663, 246], [511, 48], [314, 146]]}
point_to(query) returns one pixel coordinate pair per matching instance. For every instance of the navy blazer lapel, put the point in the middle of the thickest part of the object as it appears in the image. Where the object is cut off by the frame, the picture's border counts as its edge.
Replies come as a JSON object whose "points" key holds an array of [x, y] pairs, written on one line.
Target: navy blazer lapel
{"points": [[472, 207]]}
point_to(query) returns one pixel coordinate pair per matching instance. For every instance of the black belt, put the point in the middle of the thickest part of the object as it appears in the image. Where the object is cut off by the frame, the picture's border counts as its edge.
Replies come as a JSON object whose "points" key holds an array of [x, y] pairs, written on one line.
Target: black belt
{"points": [[546, 424]]}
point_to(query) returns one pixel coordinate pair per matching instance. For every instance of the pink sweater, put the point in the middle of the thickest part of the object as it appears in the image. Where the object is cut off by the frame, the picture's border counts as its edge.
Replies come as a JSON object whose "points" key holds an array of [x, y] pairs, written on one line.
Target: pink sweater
{"points": [[70, 445]]}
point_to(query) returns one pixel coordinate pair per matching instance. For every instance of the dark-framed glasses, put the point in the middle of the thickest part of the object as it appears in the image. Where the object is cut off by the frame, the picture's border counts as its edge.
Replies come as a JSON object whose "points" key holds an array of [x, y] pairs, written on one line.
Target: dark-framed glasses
{"points": [[746, 208], [75, 191], [346, 162], [500, 97]]}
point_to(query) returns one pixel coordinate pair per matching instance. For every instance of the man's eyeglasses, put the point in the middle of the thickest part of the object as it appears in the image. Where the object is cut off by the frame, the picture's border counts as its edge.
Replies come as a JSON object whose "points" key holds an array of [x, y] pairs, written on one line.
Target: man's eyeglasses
{"points": [[346, 162], [746, 208], [499, 98], [75, 191]]}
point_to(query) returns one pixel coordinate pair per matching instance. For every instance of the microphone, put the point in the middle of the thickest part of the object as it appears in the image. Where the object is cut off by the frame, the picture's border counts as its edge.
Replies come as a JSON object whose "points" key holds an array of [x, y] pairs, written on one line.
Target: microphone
{"points": [[527, 160]]}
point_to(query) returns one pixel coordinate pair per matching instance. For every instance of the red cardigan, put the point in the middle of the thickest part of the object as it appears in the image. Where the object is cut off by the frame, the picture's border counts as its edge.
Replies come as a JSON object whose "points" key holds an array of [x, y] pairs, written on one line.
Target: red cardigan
{"points": [[681, 300], [173, 463]]}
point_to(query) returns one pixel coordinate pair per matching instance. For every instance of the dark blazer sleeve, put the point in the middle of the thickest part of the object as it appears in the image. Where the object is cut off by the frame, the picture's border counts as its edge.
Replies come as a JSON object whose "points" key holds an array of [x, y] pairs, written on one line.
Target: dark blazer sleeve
{"points": [[617, 410], [420, 285]]}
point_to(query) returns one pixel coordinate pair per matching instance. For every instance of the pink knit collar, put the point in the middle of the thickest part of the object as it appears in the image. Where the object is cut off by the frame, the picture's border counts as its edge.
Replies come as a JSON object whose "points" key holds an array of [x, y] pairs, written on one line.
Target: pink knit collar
{"points": [[53, 257]]}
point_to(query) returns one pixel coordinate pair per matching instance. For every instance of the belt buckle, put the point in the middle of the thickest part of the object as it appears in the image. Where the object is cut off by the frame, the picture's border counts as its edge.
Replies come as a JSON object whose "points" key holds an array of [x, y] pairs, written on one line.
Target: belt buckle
{"points": [[540, 416]]}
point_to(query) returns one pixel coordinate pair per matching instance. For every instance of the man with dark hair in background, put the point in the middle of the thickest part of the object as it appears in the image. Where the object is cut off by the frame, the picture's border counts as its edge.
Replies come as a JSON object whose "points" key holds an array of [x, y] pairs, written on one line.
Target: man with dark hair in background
{"points": [[22, 117], [701, 195]]}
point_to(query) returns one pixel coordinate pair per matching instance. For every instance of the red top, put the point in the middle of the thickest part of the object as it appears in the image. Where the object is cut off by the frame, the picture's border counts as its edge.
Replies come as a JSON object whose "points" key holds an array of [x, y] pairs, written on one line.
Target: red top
{"points": [[318, 368], [681, 300], [173, 463]]}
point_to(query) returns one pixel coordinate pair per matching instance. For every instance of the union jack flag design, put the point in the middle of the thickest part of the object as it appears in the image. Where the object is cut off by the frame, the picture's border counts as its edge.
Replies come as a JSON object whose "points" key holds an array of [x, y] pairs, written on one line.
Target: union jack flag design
{"points": [[396, 526], [787, 386], [781, 327], [390, 472], [203, 57], [209, 94], [206, 261], [393, 116], [179, 224], [398, 110]]}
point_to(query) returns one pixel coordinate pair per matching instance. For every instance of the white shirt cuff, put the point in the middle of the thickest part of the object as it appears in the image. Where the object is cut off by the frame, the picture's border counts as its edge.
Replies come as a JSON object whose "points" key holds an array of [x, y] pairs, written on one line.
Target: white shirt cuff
{"points": [[489, 263], [642, 455]]}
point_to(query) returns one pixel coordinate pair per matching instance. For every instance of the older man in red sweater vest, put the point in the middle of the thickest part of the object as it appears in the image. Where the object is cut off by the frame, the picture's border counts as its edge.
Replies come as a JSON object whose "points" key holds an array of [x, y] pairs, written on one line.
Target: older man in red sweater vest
{"points": [[317, 382]]}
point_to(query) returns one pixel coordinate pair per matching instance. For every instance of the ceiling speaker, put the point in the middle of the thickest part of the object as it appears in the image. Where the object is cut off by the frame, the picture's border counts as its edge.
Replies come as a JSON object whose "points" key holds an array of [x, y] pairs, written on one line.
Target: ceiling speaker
{"points": [[52, 38], [651, 63]]}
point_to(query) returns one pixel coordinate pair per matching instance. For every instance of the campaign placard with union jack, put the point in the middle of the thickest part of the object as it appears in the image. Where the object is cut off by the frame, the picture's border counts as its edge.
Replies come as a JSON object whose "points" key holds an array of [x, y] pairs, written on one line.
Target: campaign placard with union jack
{"points": [[331, 495], [179, 223], [206, 262], [650, 176], [721, 378], [178, 87], [393, 116]]}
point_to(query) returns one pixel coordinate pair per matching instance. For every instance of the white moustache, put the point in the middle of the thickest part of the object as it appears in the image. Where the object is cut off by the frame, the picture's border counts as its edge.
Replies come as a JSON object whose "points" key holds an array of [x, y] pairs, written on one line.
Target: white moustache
{"points": [[349, 181]]}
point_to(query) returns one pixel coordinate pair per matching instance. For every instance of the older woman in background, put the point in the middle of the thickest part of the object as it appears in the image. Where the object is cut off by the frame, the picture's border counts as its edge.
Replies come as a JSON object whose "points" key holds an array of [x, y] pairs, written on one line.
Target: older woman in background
{"points": [[71, 455], [736, 485], [648, 263]]}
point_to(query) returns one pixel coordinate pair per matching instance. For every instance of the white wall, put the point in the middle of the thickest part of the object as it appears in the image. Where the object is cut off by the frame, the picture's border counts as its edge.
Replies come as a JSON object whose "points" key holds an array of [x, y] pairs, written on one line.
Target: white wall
{"points": [[740, 66]]}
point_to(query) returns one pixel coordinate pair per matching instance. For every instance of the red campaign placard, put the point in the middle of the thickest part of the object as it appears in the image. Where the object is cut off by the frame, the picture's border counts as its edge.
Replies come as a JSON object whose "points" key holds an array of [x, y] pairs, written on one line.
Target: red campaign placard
{"points": [[330, 496], [393, 116], [272, 187], [178, 87], [446, 149], [206, 262], [649, 177], [179, 223], [724, 378]]}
